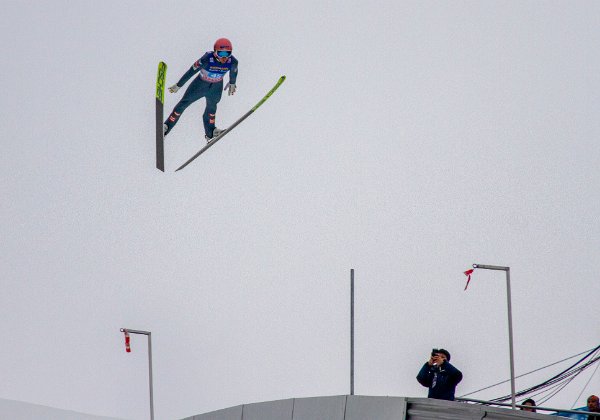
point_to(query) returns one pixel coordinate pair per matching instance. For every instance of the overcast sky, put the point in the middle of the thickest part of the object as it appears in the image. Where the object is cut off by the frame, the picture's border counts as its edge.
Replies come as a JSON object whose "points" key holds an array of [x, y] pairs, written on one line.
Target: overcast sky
{"points": [[410, 140]]}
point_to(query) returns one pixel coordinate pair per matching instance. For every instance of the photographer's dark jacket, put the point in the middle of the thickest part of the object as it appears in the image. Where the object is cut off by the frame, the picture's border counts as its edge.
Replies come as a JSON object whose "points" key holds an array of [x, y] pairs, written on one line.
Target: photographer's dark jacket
{"points": [[441, 380]]}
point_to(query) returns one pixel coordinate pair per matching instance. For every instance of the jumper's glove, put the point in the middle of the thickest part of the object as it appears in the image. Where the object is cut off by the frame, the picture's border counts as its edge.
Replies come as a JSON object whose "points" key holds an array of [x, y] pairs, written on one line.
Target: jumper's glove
{"points": [[231, 87], [174, 88]]}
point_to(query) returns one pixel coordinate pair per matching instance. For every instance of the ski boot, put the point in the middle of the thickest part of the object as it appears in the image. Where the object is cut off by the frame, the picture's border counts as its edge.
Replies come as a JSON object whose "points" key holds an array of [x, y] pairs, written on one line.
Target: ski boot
{"points": [[216, 132]]}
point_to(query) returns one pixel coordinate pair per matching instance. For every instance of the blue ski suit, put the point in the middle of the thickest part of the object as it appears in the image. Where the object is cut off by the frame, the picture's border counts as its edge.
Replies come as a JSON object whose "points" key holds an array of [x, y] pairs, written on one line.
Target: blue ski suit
{"points": [[208, 84], [441, 380]]}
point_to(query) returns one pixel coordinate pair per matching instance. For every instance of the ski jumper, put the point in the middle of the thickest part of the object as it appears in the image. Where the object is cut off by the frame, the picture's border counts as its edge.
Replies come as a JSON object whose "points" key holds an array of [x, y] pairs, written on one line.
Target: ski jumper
{"points": [[208, 84]]}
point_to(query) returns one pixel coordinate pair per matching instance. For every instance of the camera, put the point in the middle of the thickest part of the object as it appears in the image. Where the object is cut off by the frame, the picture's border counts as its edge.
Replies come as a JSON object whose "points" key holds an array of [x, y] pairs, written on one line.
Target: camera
{"points": [[434, 353]]}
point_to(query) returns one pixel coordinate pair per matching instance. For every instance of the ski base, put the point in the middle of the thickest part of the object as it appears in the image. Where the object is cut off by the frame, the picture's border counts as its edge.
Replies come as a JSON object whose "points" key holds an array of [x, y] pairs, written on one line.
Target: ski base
{"points": [[235, 124], [160, 103]]}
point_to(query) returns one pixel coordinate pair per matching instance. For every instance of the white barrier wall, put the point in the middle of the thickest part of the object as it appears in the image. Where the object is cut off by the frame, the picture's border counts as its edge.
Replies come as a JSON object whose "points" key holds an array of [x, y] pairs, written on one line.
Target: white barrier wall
{"points": [[360, 407]]}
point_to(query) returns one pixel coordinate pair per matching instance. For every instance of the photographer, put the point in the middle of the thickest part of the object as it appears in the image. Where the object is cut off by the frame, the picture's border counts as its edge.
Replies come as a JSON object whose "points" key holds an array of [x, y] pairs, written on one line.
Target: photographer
{"points": [[439, 376]]}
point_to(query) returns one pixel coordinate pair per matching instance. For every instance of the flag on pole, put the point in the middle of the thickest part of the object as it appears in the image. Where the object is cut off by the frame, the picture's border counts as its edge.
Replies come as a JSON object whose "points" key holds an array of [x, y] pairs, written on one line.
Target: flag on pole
{"points": [[468, 274], [127, 347]]}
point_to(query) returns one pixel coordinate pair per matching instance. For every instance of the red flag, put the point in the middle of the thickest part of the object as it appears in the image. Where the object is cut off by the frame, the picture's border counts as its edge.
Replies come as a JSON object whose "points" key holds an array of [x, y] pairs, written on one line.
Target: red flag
{"points": [[468, 274], [127, 347]]}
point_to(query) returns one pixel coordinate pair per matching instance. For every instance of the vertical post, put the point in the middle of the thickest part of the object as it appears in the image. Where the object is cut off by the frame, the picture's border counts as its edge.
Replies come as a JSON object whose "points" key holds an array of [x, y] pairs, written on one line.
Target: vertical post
{"points": [[510, 328], [352, 331], [510, 340], [150, 375], [147, 333]]}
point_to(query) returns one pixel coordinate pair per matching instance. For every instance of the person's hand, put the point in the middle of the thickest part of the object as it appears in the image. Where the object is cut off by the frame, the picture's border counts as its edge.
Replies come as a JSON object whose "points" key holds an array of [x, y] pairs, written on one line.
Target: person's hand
{"points": [[432, 360], [173, 88], [231, 88]]}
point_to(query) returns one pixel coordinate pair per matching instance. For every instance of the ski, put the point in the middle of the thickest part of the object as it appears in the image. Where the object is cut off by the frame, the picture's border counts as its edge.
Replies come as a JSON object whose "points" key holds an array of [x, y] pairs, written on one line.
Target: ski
{"points": [[235, 124], [160, 103]]}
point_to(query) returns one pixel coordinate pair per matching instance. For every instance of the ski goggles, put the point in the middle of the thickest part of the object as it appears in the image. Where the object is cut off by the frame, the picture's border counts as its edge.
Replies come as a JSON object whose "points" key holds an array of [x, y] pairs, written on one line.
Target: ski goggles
{"points": [[223, 54]]}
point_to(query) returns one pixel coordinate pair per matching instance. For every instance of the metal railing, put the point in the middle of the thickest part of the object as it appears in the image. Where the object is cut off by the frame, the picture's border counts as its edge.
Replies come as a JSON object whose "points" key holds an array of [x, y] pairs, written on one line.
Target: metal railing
{"points": [[556, 410]]}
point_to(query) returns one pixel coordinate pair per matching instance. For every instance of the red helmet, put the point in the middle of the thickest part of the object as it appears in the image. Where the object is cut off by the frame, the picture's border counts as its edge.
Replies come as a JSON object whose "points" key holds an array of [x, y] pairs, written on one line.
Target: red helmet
{"points": [[223, 44]]}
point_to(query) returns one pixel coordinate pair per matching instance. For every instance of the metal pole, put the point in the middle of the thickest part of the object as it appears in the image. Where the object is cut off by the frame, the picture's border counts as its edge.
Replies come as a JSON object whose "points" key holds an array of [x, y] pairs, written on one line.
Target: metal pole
{"points": [[150, 375], [352, 331], [147, 333], [510, 329], [510, 339]]}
